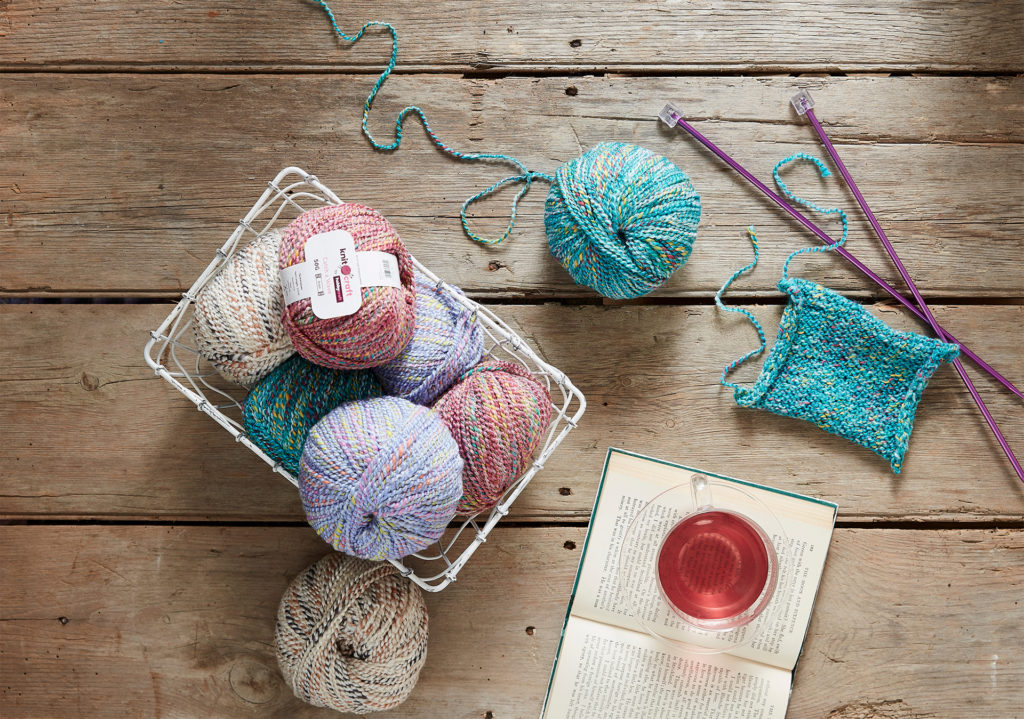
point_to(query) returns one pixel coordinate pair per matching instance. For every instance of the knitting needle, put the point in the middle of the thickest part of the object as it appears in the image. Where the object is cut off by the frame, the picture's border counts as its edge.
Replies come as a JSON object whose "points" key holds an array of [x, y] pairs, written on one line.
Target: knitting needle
{"points": [[804, 104], [674, 118]]}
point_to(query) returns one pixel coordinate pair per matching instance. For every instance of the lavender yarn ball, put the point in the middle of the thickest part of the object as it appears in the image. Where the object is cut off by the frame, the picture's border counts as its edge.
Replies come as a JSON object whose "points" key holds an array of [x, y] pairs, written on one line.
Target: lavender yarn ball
{"points": [[446, 342], [380, 478]]}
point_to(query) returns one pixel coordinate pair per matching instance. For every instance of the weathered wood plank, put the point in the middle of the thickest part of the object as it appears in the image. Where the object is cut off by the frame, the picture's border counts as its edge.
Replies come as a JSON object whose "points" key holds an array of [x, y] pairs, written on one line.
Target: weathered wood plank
{"points": [[163, 621], [722, 35], [90, 432], [102, 190]]}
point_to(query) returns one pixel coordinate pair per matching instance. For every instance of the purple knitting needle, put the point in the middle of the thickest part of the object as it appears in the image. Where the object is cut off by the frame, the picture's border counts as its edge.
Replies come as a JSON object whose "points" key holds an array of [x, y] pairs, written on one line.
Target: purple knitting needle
{"points": [[804, 104], [674, 118]]}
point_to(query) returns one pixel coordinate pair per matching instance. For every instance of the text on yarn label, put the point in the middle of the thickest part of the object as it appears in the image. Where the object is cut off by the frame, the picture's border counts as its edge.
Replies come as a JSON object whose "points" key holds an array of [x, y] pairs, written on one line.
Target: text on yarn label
{"points": [[334, 274]]}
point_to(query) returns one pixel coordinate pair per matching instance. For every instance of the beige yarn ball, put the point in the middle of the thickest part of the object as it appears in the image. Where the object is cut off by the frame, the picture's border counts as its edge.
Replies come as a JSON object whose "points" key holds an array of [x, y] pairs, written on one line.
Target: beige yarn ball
{"points": [[237, 317], [351, 635]]}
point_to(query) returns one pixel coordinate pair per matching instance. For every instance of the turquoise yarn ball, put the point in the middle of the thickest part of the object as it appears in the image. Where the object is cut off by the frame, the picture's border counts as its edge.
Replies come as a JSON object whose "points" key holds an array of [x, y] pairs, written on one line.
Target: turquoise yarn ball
{"points": [[621, 219], [283, 406]]}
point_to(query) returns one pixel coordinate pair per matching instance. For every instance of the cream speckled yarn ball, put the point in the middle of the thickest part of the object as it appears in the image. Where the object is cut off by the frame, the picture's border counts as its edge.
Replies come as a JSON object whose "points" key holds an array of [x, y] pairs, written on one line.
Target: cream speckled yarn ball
{"points": [[351, 635], [237, 319]]}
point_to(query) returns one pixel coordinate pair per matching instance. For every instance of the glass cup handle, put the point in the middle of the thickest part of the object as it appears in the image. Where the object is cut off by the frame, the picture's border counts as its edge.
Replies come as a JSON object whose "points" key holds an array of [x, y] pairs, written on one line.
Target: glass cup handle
{"points": [[701, 489]]}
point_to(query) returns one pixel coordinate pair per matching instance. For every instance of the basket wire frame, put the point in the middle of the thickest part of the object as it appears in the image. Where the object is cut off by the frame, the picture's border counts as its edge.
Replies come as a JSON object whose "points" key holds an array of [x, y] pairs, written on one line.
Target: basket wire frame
{"points": [[170, 352]]}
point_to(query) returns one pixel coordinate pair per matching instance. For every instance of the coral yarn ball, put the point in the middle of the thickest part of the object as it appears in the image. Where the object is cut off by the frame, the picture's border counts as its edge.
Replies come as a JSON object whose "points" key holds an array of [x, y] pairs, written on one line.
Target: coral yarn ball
{"points": [[498, 414], [383, 325]]}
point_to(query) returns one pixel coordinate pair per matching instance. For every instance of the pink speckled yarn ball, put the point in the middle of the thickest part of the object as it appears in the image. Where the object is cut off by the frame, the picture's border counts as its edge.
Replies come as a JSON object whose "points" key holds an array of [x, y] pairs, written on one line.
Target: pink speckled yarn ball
{"points": [[498, 414], [383, 325]]}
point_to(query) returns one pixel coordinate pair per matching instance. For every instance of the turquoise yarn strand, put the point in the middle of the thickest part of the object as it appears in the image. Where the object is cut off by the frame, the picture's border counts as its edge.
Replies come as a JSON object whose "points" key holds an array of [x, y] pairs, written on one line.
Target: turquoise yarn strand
{"points": [[619, 218], [524, 176], [784, 189], [739, 310], [824, 172]]}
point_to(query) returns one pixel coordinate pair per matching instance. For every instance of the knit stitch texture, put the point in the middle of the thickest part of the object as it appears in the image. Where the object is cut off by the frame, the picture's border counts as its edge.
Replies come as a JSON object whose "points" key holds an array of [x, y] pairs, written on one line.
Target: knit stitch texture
{"points": [[836, 365], [833, 363], [351, 635], [282, 408]]}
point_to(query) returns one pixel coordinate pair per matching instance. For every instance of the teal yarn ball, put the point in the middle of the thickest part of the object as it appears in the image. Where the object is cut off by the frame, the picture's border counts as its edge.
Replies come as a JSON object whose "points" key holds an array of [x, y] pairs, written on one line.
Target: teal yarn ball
{"points": [[282, 408], [621, 219]]}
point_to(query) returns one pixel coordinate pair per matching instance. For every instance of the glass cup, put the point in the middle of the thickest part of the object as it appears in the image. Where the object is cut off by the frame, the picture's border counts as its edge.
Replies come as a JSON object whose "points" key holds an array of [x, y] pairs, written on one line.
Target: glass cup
{"points": [[716, 568]]}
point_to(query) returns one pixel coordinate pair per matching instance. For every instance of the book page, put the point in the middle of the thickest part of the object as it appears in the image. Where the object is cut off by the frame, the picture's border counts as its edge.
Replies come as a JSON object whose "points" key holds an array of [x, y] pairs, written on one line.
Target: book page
{"points": [[631, 482], [612, 673]]}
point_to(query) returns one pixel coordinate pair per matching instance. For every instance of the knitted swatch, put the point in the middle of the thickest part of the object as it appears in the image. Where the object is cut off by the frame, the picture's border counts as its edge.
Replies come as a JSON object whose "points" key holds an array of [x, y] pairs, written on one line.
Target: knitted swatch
{"points": [[447, 341], [380, 478], [836, 365], [846, 371], [351, 635], [237, 318], [498, 414], [282, 408], [383, 325]]}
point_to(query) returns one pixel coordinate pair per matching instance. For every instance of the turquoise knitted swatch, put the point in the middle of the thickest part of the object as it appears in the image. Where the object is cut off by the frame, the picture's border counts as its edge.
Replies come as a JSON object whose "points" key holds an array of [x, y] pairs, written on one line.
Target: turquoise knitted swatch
{"points": [[836, 365]]}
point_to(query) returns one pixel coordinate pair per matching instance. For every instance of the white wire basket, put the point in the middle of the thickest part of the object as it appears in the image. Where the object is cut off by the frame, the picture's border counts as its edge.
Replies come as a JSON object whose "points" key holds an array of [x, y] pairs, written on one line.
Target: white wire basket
{"points": [[172, 354]]}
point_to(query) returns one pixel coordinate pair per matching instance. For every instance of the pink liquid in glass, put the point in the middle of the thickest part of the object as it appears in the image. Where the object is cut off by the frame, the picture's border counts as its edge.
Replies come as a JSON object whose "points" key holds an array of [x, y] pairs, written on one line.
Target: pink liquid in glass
{"points": [[713, 565]]}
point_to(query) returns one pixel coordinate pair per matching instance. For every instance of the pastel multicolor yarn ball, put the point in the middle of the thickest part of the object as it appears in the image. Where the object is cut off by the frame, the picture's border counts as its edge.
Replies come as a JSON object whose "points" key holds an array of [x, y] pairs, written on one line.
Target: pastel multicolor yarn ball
{"points": [[498, 414], [383, 325], [380, 478], [621, 219], [237, 314], [282, 408], [351, 635], [447, 341]]}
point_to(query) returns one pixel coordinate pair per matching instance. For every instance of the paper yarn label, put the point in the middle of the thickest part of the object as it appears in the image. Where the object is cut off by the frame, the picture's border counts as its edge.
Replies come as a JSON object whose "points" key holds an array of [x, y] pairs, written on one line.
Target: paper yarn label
{"points": [[334, 274]]}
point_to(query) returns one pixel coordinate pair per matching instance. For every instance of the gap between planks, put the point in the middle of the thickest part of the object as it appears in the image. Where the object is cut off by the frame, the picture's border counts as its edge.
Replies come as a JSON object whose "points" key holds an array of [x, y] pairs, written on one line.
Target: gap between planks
{"points": [[499, 71]]}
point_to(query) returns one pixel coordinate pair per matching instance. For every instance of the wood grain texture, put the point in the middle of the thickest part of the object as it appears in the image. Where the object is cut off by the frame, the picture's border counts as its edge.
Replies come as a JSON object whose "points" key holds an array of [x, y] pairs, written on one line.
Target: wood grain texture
{"points": [[642, 34], [650, 374], [129, 183], [179, 622]]}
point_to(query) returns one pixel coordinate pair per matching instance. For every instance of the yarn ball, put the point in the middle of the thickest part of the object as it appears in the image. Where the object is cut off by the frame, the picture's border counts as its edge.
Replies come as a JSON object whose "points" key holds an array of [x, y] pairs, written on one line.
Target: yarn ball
{"points": [[383, 325], [498, 414], [282, 408], [447, 341], [351, 635], [621, 219], [237, 314], [380, 478]]}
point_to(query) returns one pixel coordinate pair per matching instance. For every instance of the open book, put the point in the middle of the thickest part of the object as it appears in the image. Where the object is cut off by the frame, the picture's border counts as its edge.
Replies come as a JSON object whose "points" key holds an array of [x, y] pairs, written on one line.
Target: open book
{"points": [[609, 667]]}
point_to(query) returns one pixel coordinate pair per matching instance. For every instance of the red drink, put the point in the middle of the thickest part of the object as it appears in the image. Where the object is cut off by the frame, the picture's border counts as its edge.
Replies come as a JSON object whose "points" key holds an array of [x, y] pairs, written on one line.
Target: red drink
{"points": [[714, 566]]}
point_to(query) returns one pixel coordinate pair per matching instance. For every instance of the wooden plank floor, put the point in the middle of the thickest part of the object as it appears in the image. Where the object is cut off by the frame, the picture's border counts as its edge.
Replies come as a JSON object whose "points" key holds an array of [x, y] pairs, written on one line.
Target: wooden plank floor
{"points": [[143, 552]]}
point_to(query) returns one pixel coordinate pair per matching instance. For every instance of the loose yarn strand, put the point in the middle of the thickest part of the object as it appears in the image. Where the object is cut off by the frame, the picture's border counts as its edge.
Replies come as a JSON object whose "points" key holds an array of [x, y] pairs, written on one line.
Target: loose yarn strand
{"points": [[825, 172], [757, 325], [524, 176]]}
